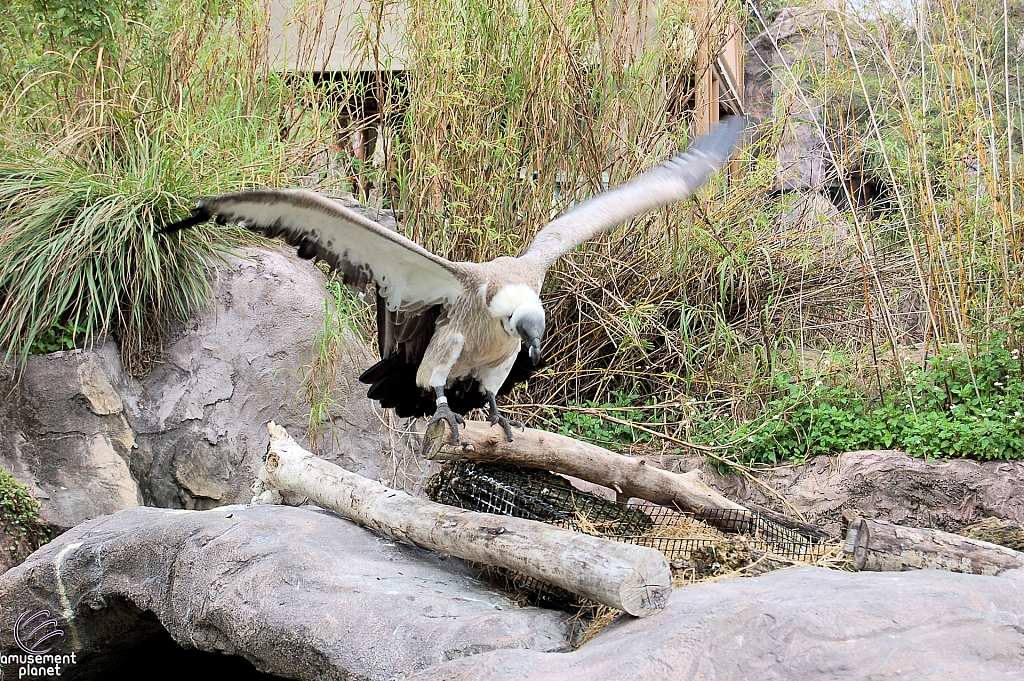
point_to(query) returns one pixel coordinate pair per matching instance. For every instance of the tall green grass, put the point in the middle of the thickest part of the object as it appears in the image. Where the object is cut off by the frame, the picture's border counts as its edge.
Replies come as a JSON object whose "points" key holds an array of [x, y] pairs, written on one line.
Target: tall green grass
{"points": [[105, 141], [509, 113]]}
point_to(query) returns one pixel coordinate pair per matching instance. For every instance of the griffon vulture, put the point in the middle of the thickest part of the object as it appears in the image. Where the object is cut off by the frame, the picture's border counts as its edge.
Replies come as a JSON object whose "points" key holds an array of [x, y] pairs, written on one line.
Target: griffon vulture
{"points": [[454, 334]]}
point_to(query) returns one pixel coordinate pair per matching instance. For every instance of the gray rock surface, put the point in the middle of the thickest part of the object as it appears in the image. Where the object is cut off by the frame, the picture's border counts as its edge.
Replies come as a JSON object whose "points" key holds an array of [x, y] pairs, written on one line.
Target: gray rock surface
{"points": [[807, 156], [297, 592], [91, 440], [887, 485], [306, 595], [794, 625], [64, 433]]}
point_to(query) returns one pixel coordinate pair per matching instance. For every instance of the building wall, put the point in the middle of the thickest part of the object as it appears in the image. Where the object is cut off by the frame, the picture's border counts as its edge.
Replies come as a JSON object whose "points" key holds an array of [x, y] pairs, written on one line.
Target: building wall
{"points": [[330, 35], [333, 36]]}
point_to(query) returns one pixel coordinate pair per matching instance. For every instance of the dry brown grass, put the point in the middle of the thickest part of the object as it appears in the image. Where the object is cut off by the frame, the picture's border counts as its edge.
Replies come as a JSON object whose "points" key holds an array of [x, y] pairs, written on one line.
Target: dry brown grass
{"points": [[721, 556]]}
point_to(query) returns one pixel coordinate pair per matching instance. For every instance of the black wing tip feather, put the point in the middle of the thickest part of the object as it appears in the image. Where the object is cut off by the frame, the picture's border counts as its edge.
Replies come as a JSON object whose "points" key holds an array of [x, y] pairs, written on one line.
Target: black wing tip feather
{"points": [[198, 216]]}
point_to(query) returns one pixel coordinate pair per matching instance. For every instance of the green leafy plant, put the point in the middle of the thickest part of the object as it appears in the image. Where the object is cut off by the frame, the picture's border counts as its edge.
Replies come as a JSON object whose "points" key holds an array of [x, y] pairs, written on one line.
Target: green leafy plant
{"points": [[961, 405], [609, 424], [57, 337], [21, 528], [70, 26]]}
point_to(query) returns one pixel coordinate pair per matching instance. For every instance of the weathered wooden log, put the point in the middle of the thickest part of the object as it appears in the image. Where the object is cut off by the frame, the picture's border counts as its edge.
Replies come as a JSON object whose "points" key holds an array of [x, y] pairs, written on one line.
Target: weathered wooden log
{"points": [[628, 476], [878, 546], [631, 578]]}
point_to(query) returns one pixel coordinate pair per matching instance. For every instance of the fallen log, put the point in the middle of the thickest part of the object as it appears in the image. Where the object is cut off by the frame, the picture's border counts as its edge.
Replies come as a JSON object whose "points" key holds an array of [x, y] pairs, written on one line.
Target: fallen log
{"points": [[628, 476], [878, 546], [634, 579]]}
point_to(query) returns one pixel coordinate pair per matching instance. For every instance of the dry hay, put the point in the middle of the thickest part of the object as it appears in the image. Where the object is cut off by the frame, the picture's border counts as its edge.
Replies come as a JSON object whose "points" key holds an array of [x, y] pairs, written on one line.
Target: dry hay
{"points": [[1003, 532], [720, 556], [597, 617]]}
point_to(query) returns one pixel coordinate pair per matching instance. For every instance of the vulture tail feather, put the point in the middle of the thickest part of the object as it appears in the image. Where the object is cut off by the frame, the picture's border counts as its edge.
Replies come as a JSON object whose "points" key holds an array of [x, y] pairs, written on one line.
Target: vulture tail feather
{"points": [[393, 383]]}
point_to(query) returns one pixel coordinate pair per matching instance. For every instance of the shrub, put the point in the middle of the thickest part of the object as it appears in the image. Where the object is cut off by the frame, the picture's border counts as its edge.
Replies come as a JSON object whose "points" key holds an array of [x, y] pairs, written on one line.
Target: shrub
{"points": [[961, 405], [22, 529]]}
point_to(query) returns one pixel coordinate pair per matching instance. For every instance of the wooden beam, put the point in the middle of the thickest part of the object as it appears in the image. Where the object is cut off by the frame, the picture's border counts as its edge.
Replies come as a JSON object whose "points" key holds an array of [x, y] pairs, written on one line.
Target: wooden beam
{"points": [[634, 579]]}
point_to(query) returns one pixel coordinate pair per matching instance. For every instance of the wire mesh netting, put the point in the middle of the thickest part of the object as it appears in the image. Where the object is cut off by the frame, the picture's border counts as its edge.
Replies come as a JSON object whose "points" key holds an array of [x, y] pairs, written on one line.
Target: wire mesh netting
{"points": [[682, 536]]}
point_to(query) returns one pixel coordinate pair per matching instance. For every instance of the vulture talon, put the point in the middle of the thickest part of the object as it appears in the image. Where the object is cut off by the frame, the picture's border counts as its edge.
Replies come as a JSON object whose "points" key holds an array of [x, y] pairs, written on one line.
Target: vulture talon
{"points": [[454, 420], [496, 419], [506, 423]]}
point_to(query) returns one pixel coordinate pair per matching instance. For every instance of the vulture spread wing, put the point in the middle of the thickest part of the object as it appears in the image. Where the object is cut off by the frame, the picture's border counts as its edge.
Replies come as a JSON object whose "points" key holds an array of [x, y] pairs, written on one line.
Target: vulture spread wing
{"points": [[409, 278], [412, 283], [672, 181]]}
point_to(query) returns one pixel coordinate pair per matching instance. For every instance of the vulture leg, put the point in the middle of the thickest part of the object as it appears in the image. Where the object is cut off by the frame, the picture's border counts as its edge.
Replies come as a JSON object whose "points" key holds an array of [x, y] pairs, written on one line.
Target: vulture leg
{"points": [[496, 418], [444, 412]]}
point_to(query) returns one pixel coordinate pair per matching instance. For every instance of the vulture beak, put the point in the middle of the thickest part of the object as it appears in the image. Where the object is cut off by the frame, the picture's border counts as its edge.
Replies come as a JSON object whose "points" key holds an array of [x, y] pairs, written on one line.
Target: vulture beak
{"points": [[535, 351], [531, 330]]}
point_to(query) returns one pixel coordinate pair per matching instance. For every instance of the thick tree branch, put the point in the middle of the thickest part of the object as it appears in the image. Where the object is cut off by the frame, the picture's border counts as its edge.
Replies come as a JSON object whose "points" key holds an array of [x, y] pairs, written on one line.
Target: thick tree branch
{"points": [[628, 476], [631, 578]]}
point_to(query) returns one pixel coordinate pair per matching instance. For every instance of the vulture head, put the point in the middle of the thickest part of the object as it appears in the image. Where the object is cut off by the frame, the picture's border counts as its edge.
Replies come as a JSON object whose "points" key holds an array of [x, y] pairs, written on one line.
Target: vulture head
{"points": [[521, 314]]}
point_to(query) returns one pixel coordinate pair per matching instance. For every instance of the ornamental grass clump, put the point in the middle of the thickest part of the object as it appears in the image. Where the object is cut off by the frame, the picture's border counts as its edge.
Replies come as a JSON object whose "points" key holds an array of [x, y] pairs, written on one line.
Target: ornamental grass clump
{"points": [[107, 140], [79, 250]]}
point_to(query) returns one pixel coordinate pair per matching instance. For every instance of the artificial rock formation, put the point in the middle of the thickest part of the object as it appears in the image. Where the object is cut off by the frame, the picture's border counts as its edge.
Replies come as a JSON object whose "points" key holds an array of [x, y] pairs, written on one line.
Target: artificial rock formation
{"points": [[305, 595], [803, 624], [887, 485], [65, 434], [298, 593], [89, 440]]}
